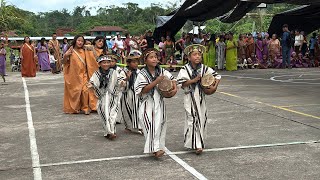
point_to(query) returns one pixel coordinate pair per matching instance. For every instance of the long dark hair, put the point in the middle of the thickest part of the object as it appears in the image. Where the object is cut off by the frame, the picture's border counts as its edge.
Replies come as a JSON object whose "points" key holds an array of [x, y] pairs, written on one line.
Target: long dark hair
{"points": [[74, 41], [42, 41], [104, 47], [64, 42], [212, 40], [213, 37], [259, 38], [24, 40]]}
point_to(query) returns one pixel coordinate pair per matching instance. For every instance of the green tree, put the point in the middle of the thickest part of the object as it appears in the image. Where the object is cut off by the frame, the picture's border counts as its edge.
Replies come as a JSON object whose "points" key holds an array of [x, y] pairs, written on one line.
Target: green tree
{"points": [[9, 16], [128, 16]]}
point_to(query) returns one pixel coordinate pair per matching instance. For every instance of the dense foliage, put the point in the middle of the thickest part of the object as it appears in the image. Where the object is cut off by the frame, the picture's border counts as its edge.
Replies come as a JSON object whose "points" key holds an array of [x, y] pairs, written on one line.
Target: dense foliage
{"points": [[129, 16]]}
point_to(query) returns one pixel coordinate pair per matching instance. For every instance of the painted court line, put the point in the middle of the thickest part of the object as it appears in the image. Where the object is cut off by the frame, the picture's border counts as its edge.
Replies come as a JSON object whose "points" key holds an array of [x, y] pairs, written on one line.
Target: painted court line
{"points": [[193, 171], [301, 105], [32, 136], [261, 146], [273, 79], [245, 77], [52, 83], [93, 160], [177, 153], [297, 112], [253, 146], [270, 105]]}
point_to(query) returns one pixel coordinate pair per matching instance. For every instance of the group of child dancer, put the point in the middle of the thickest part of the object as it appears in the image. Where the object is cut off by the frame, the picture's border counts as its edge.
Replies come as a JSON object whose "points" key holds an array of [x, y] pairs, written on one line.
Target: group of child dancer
{"points": [[134, 93]]}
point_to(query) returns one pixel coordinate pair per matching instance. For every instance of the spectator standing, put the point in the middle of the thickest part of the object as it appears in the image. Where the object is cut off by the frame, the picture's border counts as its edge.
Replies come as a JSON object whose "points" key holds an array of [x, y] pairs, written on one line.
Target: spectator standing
{"points": [[286, 46]]}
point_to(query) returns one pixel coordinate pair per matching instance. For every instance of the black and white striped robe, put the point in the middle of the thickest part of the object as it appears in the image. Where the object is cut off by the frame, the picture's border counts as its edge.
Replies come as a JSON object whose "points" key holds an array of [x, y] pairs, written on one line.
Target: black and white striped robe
{"points": [[129, 106], [152, 112], [121, 76], [195, 108], [107, 100]]}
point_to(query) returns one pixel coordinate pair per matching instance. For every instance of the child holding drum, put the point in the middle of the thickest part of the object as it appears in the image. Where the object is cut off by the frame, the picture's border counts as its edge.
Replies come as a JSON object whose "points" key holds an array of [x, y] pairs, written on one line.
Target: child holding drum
{"points": [[152, 111], [197, 80]]}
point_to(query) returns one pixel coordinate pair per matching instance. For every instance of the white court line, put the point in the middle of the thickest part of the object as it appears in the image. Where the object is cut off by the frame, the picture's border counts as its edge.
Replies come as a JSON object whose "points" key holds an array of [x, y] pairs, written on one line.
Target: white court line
{"points": [[53, 83], [256, 146], [178, 153], [94, 160], [272, 79], [32, 136], [292, 80], [245, 77], [193, 171]]}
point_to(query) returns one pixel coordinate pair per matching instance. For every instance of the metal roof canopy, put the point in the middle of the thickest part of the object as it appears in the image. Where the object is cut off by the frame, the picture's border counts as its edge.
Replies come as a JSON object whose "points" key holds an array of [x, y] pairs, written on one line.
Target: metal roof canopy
{"points": [[202, 10], [306, 18]]}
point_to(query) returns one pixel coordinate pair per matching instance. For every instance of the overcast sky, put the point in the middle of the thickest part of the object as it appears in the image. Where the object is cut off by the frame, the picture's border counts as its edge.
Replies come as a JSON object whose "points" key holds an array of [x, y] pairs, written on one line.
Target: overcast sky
{"points": [[48, 5]]}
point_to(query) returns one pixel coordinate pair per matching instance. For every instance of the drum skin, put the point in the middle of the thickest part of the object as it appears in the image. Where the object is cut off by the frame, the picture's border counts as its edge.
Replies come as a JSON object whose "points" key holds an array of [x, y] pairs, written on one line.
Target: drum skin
{"points": [[165, 86], [207, 80]]}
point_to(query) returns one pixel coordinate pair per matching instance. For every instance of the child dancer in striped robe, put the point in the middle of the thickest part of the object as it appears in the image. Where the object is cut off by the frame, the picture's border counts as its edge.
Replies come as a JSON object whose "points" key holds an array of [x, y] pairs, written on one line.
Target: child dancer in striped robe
{"points": [[129, 100], [194, 97], [152, 112], [121, 76], [104, 81]]}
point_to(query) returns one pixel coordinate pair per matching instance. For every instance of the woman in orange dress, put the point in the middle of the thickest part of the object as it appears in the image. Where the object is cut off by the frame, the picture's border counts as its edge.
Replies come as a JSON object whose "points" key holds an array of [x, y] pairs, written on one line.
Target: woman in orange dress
{"points": [[76, 96], [242, 45], [250, 46], [274, 47], [92, 53], [28, 59]]}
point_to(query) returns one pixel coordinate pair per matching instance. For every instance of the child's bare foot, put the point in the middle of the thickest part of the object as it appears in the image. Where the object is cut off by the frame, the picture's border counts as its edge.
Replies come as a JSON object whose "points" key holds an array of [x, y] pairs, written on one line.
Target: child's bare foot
{"points": [[199, 151], [113, 136], [159, 153], [107, 136]]}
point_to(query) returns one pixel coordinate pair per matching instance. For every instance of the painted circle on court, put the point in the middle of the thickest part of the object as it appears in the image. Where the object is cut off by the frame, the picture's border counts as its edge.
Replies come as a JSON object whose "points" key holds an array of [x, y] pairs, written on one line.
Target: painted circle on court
{"points": [[298, 78]]}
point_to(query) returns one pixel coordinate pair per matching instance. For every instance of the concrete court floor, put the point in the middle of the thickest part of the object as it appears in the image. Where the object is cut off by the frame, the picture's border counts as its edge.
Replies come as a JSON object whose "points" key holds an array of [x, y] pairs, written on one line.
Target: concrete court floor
{"points": [[263, 124]]}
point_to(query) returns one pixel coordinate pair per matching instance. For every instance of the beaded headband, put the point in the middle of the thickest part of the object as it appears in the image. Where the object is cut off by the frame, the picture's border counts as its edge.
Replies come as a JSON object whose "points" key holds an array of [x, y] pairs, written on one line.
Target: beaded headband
{"points": [[147, 52], [104, 58], [194, 48]]}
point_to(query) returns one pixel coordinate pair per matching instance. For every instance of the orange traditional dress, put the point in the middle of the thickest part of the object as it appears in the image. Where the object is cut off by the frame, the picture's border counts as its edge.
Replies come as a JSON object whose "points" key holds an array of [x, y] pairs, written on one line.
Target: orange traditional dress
{"points": [[54, 44], [92, 54], [28, 63], [250, 47], [76, 96]]}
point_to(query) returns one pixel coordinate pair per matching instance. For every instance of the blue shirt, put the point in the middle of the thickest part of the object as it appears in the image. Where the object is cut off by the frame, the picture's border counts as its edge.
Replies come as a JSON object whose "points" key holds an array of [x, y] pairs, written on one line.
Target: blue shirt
{"points": [[285, 39], [312, 43], [110, 44]]}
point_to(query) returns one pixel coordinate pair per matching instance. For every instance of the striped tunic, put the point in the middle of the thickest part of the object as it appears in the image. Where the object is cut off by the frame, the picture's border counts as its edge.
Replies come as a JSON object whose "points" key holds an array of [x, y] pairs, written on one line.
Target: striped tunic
{"points": [[129, 105], [107, 100], [195, 107], [151, 112], [121, 75]]}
